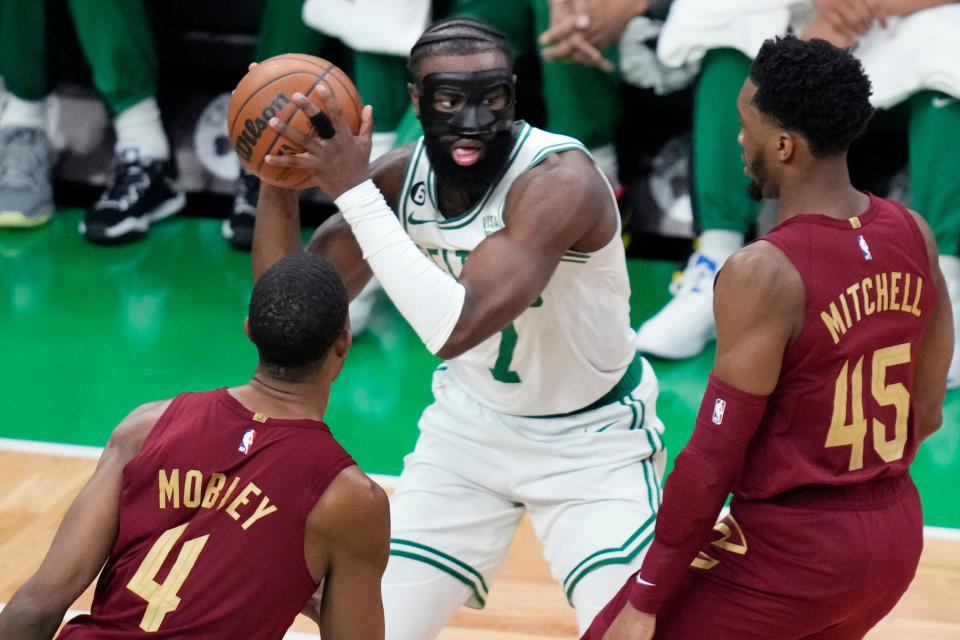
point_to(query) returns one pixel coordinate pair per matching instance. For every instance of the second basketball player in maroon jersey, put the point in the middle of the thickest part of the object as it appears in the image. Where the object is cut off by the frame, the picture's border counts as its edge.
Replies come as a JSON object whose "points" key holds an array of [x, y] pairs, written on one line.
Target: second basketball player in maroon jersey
{"points": [[834, 340], [218, 514]]}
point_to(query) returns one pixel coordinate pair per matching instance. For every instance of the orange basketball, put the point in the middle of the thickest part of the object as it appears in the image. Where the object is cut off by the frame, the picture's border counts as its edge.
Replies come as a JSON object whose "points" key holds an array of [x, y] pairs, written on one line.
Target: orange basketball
{"points": [[266, 92]]}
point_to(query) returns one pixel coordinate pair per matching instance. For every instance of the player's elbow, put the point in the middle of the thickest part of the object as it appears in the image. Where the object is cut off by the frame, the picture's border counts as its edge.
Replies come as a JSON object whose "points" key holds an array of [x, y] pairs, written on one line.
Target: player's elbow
{"points": [[460, 341], [451, 349], [45, 600], [927, 418]]}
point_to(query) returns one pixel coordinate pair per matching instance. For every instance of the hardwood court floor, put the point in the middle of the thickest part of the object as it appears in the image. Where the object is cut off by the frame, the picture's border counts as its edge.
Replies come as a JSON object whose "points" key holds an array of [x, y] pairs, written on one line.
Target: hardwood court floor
{"points": [[109, 328], [525, 603]]}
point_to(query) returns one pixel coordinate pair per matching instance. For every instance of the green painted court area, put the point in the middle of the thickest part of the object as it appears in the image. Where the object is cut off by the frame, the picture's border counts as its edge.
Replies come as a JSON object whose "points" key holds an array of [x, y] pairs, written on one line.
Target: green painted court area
{"points": [[87, 333]]}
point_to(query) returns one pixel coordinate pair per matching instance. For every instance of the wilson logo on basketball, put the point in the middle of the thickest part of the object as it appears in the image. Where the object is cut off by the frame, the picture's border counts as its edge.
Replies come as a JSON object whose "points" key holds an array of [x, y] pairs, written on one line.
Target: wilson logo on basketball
{"points": [[253, 129]]}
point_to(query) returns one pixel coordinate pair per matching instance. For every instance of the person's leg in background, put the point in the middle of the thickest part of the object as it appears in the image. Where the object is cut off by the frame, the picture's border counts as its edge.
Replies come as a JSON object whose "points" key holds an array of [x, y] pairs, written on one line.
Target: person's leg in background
{"points": [[282, 30], [725, 211], [381, 80], [935, 189], [118, 44], [582, 102], [26, 198]]}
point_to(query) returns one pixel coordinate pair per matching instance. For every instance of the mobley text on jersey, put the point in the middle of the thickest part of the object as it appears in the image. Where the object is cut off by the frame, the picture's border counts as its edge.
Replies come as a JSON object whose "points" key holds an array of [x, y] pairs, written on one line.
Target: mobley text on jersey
{"points": [[189, 490]]}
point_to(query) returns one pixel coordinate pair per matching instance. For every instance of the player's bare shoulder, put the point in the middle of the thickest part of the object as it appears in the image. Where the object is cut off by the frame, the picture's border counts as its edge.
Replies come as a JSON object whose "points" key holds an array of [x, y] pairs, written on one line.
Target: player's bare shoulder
{"points": [[128, 436], [565, 191], [761, 277], [927, 233], [351, 518], [353, 505], [387, 171]]}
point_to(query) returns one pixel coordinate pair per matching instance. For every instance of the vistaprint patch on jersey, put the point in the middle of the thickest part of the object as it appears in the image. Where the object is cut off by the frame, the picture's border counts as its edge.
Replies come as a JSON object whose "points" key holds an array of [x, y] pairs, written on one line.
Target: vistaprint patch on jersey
{"points": [[718, 408], [246, 442], [491, 224]]}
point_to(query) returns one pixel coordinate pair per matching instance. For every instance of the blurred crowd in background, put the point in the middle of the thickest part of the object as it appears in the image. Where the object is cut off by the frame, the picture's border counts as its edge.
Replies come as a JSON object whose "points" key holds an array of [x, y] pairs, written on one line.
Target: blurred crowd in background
{"points": [[649, 86]]}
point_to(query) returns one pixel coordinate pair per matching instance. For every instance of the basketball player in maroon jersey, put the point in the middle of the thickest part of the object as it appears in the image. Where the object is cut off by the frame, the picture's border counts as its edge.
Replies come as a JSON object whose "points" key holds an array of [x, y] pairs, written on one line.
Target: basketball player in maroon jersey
{"points": [[218, 514], [834, 339]]}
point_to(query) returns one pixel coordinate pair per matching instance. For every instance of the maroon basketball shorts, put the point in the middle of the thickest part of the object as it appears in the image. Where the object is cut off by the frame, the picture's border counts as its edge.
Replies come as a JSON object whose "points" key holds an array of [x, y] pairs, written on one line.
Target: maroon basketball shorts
{"points": [[813, 564]]}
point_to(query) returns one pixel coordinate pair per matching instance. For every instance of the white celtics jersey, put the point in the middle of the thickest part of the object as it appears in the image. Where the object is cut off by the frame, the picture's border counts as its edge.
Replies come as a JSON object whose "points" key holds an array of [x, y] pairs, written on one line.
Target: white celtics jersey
{"points": [[575, 342]]}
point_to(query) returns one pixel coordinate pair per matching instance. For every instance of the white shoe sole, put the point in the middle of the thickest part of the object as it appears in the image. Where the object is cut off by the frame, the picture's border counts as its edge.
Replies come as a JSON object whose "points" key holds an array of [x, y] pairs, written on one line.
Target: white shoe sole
{"points": [[18, 220], [142, 224], [686, 350]]}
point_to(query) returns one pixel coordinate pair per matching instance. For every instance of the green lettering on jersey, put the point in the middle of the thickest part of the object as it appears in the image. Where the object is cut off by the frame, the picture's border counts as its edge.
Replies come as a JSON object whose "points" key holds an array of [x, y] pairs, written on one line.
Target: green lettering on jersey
{"points": [[508, 344], [501, 370]]}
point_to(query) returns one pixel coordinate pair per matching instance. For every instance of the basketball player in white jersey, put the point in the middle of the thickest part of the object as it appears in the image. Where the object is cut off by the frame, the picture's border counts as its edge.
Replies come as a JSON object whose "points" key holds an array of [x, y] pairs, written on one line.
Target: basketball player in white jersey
{"points": [[502, 249]]}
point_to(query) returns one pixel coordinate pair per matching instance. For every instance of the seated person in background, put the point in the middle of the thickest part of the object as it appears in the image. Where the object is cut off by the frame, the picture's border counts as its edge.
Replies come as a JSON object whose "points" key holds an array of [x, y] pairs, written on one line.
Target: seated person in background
{"points": [[117, 43], [909, 50], [219, 513]]}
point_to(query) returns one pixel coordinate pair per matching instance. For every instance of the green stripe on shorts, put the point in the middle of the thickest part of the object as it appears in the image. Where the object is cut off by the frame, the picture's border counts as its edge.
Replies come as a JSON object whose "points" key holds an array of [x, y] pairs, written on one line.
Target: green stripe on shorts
{"points": [[446, 569], [614, 555], [463, 571]]}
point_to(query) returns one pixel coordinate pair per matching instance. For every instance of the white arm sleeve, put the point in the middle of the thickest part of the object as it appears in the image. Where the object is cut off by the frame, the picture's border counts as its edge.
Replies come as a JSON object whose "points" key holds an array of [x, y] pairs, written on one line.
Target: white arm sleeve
{"points": [[430, 299]]}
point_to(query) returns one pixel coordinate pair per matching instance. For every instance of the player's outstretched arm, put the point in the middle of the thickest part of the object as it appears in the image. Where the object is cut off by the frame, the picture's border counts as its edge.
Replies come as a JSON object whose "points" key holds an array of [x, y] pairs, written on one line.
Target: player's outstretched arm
{"points": [[83, 541], [337, 163], [277, 232], [335, 241], [545, 217], [759, 304], [936, 350], [347, 546]]}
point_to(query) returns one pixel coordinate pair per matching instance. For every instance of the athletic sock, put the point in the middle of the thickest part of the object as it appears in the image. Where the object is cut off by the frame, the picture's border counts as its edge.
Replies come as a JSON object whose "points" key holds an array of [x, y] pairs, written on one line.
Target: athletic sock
{"points": [[22, 113], [719, 244], [139, 127], [381, 142], [606, 158]]}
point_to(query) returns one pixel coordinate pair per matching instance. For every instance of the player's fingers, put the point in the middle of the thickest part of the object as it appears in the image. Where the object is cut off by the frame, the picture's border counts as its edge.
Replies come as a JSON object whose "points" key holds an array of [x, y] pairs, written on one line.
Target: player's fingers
{"points": [[296, 161], [331, 106], [863, 14], [319, 120], [590, 55], [559, 31], [307, 105], [879, 10], [366, 123], [856, 22], [560, 51], [840, 25], [295, 136]]}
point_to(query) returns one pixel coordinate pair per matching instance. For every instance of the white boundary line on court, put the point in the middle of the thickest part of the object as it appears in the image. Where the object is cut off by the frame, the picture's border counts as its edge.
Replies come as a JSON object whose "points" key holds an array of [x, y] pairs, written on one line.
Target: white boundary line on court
{"points": [[387, 482], [93, 453]]}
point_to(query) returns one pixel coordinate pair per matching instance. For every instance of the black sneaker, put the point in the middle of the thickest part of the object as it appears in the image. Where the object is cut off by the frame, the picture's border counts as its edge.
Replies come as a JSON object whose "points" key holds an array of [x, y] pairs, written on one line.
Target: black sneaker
{"points": [[143, 191], [238, 228]]}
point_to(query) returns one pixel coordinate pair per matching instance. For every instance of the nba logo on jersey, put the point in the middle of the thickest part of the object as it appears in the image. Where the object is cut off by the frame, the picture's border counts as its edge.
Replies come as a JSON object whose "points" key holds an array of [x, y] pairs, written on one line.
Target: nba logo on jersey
{"points": [[718, 408], [864, 249], [246, 442]]}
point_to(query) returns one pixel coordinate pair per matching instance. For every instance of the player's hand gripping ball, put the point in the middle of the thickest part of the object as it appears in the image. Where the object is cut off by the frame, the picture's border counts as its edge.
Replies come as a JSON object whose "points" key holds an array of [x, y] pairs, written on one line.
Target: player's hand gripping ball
{"points": [[268, 91]]}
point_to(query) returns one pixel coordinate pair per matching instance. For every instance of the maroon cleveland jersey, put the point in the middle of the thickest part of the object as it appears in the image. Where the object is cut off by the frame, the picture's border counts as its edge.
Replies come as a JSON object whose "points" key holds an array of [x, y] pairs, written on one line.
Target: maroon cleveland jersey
{"points": [[213, 513], [840, 413]]}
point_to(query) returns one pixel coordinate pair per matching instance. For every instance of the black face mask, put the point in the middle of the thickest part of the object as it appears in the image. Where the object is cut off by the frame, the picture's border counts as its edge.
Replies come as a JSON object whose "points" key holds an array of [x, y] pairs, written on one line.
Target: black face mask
{"points": [[493, 126], [474, 118]]}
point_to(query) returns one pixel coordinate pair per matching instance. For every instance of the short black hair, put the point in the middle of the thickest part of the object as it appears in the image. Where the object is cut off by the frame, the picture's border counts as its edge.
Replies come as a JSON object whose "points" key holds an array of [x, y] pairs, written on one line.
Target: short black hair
{"points": [[815, 89], [458, 37], [297, 311]]}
